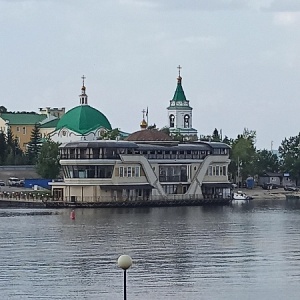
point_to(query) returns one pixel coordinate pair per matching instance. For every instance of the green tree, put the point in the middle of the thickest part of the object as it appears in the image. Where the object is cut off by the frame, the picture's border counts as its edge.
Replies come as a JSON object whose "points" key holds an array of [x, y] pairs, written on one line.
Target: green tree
{"points": [[165, 130], [177, 137], [3, 147], [227, 140], [243, 155], [216, 136], [3, 109], [34, 146], [113, 134], [266, 161], [48, 160], [290, 154]]}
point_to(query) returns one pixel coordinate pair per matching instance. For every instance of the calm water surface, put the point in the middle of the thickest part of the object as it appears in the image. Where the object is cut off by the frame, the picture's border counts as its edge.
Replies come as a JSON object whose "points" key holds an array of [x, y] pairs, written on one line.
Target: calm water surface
{"points": [[247, 251]]}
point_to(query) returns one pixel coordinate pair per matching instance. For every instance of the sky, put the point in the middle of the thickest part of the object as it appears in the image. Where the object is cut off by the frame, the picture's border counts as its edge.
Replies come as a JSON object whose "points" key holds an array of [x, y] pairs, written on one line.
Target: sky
{"points": [[240, 61]]}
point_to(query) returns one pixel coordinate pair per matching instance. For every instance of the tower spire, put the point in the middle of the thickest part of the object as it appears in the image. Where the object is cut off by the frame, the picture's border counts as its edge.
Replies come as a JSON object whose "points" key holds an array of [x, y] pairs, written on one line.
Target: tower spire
{"points": [[179, 71], [83, 77], [83, 97], [143, 124]]}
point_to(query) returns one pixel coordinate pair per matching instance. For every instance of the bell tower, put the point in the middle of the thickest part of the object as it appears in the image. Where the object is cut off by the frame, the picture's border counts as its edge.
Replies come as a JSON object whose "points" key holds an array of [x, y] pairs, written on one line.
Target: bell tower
{"points": [[83, 97], [180, 114]]}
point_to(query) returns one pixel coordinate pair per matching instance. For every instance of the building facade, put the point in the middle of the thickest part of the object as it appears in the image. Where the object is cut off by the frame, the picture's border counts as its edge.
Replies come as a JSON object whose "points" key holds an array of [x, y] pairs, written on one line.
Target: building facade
{"points": [[21, 125], [180, 114], [102, 171]]}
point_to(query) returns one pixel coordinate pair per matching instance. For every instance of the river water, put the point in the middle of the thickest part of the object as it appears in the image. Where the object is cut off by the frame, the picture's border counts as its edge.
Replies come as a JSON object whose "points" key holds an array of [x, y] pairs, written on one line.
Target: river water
{"points": [[249, 251]]}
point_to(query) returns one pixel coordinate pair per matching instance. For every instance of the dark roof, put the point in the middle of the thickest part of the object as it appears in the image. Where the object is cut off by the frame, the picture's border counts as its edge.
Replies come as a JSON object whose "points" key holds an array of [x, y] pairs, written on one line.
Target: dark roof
{"points": [[150, 135], [216, 145], [99, 144], [176, 147], [202, 146]]}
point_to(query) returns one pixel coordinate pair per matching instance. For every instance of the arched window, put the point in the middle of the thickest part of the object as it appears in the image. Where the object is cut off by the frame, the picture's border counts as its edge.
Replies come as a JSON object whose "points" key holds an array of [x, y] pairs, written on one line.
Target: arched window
{"points": [[186, 121], [172, 120]]}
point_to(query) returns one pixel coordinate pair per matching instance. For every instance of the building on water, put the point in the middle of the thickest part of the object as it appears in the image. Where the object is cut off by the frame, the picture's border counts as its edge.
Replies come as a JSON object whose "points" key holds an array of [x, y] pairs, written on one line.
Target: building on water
{"points": [[101, 171], [147, 166]]}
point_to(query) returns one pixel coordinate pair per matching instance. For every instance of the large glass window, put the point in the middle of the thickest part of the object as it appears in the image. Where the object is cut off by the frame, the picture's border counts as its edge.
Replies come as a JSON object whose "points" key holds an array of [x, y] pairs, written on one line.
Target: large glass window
{"points": [[173, 174], [217, 170], [88, 171], [137, 172], [224, 171], [129, 171]]}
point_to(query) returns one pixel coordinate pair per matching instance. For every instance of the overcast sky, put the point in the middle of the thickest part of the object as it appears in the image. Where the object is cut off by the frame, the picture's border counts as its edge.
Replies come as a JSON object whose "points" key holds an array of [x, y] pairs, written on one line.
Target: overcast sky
{"points": [[240, 60]]}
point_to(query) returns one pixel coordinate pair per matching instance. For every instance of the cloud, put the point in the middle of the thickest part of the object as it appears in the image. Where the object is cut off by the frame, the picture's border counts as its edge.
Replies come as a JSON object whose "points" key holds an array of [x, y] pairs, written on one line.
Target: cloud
{"points": [[209, 42], [287, 18], [140, 3], [218, 5], [211, 5], [283, 6]]}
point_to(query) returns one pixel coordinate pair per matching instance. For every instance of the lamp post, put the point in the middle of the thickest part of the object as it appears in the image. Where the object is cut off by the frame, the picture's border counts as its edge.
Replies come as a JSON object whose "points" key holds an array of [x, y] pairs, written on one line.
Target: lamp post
{"points": [[124, 262]]}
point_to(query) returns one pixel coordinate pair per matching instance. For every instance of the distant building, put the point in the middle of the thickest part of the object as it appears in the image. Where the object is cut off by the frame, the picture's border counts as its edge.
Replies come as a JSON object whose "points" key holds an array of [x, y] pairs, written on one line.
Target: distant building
{"points": [[52, 111], [82, 122], [180, 114], [20, 124], [48, 125]]}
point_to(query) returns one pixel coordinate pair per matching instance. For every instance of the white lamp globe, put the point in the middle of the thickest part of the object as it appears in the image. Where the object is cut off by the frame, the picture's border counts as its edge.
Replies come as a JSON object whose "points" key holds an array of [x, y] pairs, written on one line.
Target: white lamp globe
{"points": [[124, 262]]}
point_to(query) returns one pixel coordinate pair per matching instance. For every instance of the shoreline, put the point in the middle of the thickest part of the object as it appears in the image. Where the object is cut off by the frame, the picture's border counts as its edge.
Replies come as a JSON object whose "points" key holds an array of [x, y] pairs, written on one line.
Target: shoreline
{"points": [[260, 194], [257, 193]]}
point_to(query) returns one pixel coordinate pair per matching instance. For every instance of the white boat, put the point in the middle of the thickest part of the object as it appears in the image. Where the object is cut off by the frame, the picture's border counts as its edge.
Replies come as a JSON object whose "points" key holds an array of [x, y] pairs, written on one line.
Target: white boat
{"points": [[240, 196]]}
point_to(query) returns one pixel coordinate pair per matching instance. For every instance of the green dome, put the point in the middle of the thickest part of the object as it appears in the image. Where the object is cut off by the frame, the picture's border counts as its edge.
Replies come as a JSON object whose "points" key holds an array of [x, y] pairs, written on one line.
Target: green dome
{"points": [[83, 119]]}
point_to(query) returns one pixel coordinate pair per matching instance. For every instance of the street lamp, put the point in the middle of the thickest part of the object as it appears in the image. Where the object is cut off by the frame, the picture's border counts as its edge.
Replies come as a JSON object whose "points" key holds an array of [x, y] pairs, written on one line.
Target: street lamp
{"points": [[124, 262]]}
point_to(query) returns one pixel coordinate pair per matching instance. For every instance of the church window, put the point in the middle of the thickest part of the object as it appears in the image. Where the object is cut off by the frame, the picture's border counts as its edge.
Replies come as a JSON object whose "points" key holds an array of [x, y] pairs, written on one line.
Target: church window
{"points": [[186, 121], [172, 120]]}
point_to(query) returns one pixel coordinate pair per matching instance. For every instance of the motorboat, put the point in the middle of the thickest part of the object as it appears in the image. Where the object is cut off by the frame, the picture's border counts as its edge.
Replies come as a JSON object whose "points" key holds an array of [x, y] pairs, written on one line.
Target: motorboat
{"points": [[240, 196]]}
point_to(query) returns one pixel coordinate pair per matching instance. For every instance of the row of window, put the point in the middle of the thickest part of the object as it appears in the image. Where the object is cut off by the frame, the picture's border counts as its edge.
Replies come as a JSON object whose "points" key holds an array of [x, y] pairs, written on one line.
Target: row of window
{"points": [[23, 129], [17, 128], [88, 171], [217, 171], [129, 172], [173, 174], [186, 123], [175, 188], [111, 153]]}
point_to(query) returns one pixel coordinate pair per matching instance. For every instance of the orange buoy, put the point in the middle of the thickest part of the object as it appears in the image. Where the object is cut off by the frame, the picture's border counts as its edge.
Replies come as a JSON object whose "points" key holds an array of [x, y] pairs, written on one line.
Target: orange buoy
{"points": [[72, 215]]}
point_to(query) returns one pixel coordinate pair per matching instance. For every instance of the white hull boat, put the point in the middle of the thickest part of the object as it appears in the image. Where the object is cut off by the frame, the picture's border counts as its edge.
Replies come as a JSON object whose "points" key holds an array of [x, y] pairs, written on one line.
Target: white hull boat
{"points": [[240, 197]]}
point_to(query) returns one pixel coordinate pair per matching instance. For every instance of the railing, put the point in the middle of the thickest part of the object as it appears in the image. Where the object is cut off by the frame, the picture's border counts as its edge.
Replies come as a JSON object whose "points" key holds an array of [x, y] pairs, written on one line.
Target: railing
{"points": [[25, 196], [174, 178], [91, 199]]}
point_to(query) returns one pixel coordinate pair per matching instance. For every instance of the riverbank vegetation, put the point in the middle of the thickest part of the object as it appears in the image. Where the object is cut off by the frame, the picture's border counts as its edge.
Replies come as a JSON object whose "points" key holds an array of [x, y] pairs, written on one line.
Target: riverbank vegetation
{"points": [[246, 160]]}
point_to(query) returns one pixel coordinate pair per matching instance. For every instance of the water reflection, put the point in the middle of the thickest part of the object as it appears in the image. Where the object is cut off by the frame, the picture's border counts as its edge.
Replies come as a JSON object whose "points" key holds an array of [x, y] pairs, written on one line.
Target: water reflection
{"points": [[232, 252]]}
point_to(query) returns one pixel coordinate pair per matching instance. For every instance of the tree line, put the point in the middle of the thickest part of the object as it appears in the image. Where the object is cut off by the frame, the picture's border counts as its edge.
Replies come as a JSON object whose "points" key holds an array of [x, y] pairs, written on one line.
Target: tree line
{"points": [[43, 153], [246, 160]]}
